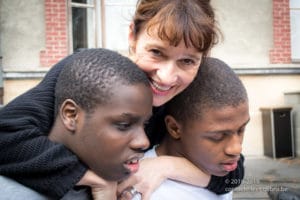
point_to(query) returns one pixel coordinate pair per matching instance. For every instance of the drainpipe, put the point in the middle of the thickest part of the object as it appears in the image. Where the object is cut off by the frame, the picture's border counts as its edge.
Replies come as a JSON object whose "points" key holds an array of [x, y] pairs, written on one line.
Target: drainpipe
{"points": [[1, 83]]}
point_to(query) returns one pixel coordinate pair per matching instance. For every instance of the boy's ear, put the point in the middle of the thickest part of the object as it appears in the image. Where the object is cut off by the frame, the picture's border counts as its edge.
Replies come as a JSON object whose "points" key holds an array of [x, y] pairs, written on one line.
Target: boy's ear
{"points": [[173, 127], [131, 37], [69, 114]]}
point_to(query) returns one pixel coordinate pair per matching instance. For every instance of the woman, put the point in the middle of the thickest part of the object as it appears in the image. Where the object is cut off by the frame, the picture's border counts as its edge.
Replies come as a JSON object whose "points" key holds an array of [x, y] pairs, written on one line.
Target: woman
{"points": [[168, 39]]}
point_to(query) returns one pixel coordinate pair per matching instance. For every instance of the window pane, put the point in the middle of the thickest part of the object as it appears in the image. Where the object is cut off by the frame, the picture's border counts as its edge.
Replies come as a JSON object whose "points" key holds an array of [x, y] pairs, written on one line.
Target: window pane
{"points": [[79, 1], [83, 1], [83, 28], [118, 15], [295, 29]]}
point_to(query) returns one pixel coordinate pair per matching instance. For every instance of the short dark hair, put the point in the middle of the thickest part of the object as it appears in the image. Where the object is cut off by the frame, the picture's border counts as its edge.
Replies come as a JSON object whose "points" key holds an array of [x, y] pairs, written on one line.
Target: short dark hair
{"points": [[91, 74], [215, 86]]}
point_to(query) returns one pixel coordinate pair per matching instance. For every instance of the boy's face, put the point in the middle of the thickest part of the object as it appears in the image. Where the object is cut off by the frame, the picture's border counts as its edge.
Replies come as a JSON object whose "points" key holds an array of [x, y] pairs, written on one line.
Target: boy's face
{"points": [[214, 143], [111, 140]]}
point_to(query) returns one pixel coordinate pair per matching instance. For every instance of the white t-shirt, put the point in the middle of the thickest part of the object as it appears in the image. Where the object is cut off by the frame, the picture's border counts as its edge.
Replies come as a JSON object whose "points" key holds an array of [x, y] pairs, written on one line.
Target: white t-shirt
{"points": [[173, 190]]}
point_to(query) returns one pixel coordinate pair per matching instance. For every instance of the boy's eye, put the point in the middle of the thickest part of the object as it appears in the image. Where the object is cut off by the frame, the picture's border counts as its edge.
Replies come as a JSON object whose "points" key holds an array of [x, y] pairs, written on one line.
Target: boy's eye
{"points": [[216, 137], [241, 131], [123, 126]]}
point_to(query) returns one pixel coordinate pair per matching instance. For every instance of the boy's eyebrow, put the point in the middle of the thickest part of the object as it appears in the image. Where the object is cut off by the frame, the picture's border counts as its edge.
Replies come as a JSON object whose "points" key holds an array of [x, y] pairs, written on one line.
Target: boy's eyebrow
{"points": [[135, 116], [222, 131]]}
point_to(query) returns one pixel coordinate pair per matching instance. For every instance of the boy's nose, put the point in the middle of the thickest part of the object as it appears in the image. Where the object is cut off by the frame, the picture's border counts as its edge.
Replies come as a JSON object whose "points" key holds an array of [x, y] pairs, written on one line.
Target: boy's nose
{"points": [[140, 141], [234, 145]]}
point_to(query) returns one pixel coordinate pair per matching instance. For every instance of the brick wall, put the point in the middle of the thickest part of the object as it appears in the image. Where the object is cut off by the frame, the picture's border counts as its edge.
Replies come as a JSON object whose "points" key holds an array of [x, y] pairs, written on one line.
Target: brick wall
{"points": [[56, 39], [281, 52]]}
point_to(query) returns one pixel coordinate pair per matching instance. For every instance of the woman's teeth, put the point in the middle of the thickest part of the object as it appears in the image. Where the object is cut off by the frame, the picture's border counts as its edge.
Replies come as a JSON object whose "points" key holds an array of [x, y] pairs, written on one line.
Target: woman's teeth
{"points": [[160, 87]]}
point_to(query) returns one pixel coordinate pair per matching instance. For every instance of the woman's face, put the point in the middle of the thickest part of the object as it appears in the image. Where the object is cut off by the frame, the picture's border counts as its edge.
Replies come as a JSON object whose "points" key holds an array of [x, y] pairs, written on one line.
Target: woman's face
{"points": [[170, 69]]}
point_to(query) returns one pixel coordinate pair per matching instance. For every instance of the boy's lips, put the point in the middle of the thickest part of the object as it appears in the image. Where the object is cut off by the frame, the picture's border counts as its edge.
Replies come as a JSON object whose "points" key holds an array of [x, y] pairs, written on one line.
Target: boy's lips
{"points": [[132, 165], [230, 166]]}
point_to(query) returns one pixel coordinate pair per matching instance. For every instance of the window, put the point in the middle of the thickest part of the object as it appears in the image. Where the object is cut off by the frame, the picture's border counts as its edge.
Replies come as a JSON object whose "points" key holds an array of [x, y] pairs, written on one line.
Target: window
{"points": [[82, 24], [295, 29], [100, 23]]}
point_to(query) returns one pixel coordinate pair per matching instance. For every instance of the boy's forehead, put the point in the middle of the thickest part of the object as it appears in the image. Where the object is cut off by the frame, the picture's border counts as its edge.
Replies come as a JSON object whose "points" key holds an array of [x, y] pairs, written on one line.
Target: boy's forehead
{"points": [[221, 115]]}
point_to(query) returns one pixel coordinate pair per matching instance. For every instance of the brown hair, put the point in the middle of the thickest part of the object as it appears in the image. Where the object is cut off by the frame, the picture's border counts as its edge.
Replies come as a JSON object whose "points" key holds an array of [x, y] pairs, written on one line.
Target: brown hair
{"points": [[174, 20]]}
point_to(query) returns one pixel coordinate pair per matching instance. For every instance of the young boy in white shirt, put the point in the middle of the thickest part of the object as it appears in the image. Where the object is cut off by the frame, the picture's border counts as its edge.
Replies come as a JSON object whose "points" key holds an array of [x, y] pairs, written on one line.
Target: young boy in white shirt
{"points": [[205, 124]]}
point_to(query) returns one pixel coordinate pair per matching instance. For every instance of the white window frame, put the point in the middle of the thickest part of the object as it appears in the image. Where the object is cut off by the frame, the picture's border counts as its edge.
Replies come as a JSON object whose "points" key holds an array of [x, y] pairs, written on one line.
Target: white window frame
{"points": [[115, 35], [295, 30], [96, 5]]}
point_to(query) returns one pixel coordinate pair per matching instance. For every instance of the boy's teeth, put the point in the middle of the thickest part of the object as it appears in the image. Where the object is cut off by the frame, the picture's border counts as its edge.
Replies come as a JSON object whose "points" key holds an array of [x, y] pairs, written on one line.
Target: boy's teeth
{"points": [[133, 161]]}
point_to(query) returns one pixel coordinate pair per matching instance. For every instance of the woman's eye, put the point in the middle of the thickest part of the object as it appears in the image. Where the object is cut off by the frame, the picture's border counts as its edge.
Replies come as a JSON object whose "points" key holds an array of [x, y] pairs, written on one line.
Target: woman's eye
{"points": [[156, 52], [188, 62]]}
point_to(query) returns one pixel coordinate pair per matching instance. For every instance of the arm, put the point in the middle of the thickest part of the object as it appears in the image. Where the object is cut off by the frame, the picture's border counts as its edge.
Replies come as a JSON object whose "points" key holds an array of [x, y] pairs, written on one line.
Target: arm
{"points": [[151, 174], [27, 155], [153, 171]]}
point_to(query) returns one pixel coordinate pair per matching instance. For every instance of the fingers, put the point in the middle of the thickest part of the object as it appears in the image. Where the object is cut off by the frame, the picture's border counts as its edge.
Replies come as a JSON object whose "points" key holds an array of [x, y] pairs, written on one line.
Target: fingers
{"points": [[92, 180], [146, 196], [130, 194], [105, 193], [127, 183], [125, 195]]}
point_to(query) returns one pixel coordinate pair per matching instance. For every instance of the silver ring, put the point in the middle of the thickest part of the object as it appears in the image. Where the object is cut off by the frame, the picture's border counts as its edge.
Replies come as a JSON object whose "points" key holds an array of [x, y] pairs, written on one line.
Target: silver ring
{"points": [[133, 191], [136, 195]]}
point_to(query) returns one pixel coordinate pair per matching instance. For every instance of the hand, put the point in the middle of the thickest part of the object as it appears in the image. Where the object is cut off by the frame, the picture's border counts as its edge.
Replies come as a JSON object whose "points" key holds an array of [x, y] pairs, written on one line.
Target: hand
{"points": [[130, 194], [101, 189], [91, 179], [153, 171], [150, 175], [109, 192]]}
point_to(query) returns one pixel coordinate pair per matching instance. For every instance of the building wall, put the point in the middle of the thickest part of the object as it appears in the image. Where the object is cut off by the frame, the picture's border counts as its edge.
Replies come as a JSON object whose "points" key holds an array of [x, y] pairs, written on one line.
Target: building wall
{"points": [[264, 92], [247, 32], [56, 32], [15, 87], [256, 36], [22, 35]]}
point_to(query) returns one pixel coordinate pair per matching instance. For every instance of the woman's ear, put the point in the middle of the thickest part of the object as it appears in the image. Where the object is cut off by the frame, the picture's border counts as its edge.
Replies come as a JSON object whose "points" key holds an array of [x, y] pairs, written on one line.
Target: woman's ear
{"points": [[173, 127], [69, 114], [131, 38]]}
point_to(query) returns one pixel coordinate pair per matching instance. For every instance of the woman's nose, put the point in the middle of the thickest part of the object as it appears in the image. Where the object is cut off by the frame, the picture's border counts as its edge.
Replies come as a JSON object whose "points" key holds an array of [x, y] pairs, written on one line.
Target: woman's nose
{"points": [[168, 73]]}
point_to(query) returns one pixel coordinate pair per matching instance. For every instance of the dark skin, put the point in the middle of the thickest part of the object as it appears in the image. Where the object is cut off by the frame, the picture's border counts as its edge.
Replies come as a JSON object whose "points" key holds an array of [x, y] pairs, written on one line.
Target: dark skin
{"points": [[114, 130], [213, 143]]}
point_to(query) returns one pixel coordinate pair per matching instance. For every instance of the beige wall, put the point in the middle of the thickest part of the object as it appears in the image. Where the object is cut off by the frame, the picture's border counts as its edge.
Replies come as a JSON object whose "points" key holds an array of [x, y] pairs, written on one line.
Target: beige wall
{"points": [[13, 88], [264, 91]]}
